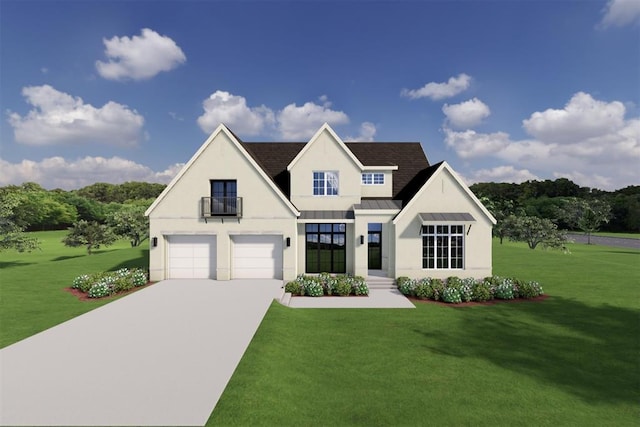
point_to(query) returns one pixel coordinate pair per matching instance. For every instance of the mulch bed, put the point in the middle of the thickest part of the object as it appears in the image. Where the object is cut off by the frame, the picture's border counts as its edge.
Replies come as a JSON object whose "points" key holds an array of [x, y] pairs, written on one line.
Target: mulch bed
{"points": [[474, 303], [85, 297]]}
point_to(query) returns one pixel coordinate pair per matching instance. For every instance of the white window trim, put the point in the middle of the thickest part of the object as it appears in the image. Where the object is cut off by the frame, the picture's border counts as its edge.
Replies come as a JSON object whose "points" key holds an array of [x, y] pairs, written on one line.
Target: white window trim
{"points": [[372, 175], [448, 235], [333, 176]]}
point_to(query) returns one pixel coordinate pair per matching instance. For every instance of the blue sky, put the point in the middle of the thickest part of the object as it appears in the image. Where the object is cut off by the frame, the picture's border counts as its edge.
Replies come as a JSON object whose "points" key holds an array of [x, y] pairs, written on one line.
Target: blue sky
{"points": [[504, 91]]}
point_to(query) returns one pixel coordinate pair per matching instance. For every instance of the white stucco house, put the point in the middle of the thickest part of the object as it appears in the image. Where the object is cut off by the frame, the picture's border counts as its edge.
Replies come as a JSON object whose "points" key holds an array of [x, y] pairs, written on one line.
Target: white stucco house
{"points": [[276, 210]]}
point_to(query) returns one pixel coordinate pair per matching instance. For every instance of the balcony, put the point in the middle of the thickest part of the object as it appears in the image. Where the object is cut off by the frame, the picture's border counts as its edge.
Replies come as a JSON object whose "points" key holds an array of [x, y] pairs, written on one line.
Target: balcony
{"points": [[213, 207]]}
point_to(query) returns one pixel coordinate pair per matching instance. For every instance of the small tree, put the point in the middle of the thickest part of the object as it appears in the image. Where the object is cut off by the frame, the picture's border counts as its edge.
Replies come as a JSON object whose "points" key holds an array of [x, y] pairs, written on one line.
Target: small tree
{"points": [[11, 234], [89, 234], [586, 215], [130, 223], [535, 231]]}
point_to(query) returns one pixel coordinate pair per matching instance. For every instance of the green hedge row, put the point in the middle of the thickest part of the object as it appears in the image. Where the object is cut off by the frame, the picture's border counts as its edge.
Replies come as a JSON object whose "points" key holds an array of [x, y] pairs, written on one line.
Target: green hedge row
{"points": [[456, 290], [103, 284], [327, 284]]}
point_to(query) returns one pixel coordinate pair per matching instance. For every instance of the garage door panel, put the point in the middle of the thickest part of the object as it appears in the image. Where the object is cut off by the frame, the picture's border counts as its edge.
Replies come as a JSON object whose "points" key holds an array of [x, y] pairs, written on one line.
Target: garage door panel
{"points": [[257, 257], [191, 257]]}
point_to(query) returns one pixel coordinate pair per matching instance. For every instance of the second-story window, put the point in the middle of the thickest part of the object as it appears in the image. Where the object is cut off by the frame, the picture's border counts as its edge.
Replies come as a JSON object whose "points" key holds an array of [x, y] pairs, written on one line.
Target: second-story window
{"points": [[224, 197], [325, 183], [373, 179]]}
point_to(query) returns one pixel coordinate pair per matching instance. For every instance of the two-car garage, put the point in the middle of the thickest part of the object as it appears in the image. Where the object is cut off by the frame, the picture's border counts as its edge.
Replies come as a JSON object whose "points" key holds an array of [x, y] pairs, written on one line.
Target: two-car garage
{"points": [[251, 256]]}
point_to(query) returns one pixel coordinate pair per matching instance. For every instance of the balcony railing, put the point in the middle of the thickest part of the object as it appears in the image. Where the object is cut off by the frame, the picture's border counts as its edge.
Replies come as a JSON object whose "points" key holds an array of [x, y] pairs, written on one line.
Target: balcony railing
{"points": [[221, 206]]}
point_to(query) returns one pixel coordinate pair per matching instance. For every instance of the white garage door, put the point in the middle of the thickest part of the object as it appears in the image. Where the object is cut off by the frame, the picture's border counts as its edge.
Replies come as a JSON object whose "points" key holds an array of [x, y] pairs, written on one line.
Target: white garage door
{"points": [[192, 257], [257, 257]]}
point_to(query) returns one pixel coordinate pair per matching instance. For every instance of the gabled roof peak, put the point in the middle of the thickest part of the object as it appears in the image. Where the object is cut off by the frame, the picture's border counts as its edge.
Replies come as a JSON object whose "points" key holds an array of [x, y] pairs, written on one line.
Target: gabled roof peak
{"points": [[325, 128]]}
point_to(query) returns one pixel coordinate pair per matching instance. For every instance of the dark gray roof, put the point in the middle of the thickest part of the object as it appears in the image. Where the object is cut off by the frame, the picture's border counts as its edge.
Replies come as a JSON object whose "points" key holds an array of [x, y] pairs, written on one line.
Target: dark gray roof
{"points": [[447, 216], [379, 204], [332, 215], [413, 166]]}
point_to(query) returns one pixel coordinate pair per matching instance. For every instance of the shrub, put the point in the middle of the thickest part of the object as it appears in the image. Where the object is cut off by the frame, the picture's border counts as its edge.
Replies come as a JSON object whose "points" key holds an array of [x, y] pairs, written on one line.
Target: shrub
{"points": [[530, 289], [407, 287], [313, 288], [343, 287], [122, 284], [82, 282], [402, 280], [423, 289], [481, 291], [438, 288], [466, 288], [99, 290], [139, 277], [294, 288], [328, 282], [451, 295], [359, 286], [504, 290]]}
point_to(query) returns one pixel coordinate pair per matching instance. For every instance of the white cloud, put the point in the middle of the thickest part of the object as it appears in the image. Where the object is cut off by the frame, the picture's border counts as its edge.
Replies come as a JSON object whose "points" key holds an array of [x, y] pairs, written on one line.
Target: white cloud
{"points": [[291, 123], [619, 13], [467, 114], [589, 141], [232, 110], [139, 57], [300, 123], [58, 118], [502, 174], [582, 117], [56, 172], [470, 144], [436, 91], [367, 132]]}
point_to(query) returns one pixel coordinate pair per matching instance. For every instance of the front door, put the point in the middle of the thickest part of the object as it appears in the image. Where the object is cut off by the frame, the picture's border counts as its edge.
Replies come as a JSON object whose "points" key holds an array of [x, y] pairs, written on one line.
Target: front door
{"points": [[375, 246]]}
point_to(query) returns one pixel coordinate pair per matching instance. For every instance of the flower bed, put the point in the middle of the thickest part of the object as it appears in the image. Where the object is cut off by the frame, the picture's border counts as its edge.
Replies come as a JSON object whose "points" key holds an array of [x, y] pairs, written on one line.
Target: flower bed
{"points": [[455, 290], [327, 284], [103, 284]]}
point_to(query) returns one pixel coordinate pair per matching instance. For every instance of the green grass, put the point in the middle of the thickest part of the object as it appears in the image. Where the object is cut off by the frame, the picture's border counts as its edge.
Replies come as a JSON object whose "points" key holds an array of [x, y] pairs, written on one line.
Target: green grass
{"points": [[32, 296], [570, 360]]}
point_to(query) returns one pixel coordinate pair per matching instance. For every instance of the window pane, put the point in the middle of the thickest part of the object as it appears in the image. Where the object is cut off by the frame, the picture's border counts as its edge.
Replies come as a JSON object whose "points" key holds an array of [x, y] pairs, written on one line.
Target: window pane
{"points": [[339, 227], [311, 227], [374, 226], [366, 178], [378, 178], [332, 183], [325, 228], [442, 229]]}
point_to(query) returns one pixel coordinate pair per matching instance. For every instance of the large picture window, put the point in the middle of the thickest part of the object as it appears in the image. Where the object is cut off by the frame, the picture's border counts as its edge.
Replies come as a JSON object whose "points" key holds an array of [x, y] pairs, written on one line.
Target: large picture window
{"points": [[326, 248], [443, 246], [325, 183]]}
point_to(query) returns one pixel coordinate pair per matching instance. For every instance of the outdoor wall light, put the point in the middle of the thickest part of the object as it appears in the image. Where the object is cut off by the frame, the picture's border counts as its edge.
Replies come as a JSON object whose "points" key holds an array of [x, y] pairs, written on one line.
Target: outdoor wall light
{"points": [[288, 241], [361, 239], [154, 242]]}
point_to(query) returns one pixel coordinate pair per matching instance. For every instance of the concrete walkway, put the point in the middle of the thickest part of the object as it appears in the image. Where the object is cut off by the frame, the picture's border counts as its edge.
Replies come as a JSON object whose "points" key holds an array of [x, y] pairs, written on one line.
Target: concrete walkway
{"points": [[160, 356], [378, 298]]}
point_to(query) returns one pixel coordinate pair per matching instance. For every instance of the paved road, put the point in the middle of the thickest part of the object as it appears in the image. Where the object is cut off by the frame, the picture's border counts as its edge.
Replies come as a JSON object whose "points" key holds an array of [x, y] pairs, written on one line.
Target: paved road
{"points": [[160, 356], [619, 242]]}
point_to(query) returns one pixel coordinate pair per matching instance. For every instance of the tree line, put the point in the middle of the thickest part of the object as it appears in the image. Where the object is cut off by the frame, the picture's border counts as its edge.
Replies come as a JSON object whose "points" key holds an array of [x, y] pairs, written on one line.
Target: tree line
{"points": [[550, 200], [95, 215]]}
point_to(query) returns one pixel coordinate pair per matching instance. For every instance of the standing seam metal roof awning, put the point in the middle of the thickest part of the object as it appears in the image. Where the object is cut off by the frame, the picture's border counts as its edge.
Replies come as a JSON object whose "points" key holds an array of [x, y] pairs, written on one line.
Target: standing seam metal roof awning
{"points": [[446, 217], [326, 215]]}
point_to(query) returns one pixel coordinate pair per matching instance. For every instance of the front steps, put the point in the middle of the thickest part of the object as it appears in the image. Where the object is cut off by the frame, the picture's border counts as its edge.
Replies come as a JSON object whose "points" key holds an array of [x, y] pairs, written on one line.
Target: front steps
{"points": [[378, 282]]}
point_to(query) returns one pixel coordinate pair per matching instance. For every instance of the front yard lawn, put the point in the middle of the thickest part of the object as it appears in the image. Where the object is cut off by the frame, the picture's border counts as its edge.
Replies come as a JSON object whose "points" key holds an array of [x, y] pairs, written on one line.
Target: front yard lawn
{"points": [[32, 296], [569, 360]]}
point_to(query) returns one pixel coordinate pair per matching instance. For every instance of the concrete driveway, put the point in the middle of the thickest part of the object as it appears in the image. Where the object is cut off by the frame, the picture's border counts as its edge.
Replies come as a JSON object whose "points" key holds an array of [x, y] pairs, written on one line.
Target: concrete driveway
{"points": [[160, 356]]}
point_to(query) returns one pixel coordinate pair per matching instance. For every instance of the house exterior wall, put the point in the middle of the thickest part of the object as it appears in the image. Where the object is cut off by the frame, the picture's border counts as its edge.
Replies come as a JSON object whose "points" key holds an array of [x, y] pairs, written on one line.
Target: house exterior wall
{"points": [[443, 194], [179, 211], [385, 190], [325, 154]]}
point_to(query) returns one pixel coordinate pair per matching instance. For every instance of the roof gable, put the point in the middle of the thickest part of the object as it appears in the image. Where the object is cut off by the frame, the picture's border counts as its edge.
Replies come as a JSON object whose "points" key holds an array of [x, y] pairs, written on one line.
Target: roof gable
{"points": [[234, 140], [430, 174], [325, 128]]}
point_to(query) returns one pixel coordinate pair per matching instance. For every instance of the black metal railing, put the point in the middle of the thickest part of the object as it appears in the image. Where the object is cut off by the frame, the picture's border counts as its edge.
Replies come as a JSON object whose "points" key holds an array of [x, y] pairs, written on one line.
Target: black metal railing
{"points": [[221, 206]]}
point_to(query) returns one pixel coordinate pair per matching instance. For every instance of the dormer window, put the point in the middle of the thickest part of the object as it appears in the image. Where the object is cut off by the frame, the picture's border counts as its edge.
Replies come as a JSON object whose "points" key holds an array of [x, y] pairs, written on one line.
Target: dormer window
{"points": [[325, 183], [372, 179]]}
